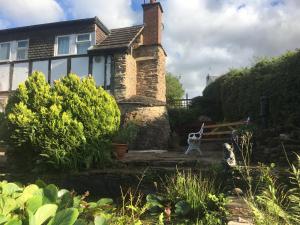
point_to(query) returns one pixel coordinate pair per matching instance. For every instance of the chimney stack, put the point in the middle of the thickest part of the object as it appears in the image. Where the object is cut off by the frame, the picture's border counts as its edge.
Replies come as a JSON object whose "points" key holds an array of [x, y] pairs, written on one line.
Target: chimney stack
{"points": [[152, 22]]}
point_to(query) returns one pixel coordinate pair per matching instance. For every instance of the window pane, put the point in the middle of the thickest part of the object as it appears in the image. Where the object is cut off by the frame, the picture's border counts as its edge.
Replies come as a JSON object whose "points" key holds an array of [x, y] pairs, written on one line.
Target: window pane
{"points": [[83, 37], [4, 51], [22, 44], [63, 45], [21, 54], [82, 47]]}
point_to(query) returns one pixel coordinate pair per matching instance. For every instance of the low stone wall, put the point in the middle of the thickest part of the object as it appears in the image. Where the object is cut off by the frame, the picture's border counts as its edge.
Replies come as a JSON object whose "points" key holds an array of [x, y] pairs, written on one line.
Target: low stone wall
{"points": [[154, 128]]}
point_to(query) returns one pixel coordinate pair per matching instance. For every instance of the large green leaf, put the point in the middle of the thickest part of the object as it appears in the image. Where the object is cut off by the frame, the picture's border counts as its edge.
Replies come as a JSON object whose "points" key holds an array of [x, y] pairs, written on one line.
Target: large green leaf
{"points": [[34, 203], [66, 201], [7, 205], [80, 222], [61, 192], [101, 220], [105, 201], [50, 193], [28, 192], [182, 208], [10, 188], [14, 221], [3, 219], [65, 217], [44, 212]]}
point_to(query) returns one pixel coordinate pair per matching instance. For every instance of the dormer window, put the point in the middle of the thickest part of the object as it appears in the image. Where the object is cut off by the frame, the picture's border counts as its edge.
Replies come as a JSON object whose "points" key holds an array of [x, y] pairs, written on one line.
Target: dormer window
{"points": [[83, 42], [63, 45], [4, 51], [22, 50]]}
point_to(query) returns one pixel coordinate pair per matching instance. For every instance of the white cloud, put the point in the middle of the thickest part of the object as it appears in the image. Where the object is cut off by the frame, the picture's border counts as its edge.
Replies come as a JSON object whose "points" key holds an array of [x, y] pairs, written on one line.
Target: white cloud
{"points": [[28, 12], [113, 13], [211, 36], [200, 36]]}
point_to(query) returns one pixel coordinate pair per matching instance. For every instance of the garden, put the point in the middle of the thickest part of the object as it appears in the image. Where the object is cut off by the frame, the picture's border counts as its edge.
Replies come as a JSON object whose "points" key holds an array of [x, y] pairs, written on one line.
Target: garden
{"points": [[71, 130]]}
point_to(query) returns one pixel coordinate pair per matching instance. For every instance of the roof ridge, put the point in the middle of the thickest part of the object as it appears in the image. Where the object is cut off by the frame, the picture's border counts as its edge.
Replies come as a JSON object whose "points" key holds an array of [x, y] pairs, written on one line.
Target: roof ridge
{"points": [[133, 26]]}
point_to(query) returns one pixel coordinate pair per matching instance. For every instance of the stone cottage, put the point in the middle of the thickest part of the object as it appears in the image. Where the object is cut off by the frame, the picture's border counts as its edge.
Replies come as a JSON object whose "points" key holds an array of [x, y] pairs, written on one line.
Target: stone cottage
{"points": [[128, 62]]}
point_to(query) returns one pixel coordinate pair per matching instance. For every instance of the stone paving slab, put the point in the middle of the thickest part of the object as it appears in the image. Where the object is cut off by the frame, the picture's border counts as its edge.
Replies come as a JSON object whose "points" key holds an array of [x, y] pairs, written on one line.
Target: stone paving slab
{"points": [[164, 158]]}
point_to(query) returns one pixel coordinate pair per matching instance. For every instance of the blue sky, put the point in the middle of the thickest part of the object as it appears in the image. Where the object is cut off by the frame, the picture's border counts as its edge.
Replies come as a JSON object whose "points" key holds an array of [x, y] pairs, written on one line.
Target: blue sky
{"points": [[200, 36]]}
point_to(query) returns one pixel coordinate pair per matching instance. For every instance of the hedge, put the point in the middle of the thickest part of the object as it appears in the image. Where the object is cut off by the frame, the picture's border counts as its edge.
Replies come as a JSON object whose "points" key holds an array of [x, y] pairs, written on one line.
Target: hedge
{"points": [[236, 95]]}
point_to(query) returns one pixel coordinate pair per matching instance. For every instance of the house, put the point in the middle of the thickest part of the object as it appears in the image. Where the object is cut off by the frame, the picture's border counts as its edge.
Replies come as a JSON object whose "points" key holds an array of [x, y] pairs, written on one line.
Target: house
{"points": [[128, 62]]}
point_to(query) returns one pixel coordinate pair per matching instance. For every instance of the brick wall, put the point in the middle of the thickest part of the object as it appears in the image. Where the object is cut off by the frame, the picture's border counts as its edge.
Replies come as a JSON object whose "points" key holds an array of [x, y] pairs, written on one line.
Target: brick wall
{"points": [[153, 23]]}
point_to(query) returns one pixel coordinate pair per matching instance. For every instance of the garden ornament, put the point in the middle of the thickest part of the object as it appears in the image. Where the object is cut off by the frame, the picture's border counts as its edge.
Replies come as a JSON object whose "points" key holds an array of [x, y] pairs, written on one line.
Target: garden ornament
{"points": [[229, 155], [194, 141]]}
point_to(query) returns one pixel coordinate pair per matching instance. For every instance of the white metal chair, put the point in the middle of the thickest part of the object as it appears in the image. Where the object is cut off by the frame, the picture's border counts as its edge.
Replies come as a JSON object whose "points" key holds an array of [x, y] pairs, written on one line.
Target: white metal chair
{"points": [[194, 141]]}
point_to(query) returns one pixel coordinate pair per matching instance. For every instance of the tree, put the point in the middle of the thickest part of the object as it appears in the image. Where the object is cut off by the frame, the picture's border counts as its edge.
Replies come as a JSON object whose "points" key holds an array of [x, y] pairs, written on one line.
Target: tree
{"points": [[174, 87]]}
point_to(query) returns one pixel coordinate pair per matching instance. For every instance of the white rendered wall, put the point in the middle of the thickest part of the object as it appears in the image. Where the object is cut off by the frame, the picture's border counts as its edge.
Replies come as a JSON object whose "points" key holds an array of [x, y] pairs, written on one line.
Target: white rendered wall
{"points": [[4, 77], [98, 69], [41, 66], [108, 70], [80, 66], [20, 74], [58, 69]]}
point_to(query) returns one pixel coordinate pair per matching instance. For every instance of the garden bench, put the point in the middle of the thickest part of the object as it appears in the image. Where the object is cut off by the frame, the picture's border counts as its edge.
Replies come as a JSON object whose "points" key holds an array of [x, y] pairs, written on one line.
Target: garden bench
{"points": [[213, 133]]}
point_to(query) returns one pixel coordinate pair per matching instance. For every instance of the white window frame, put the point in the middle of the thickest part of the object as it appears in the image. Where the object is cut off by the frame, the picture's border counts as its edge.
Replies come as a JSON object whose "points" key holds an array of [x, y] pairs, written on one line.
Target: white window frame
{"points": [[78, 42], [56, 45], [10, 51], [21, 48]]}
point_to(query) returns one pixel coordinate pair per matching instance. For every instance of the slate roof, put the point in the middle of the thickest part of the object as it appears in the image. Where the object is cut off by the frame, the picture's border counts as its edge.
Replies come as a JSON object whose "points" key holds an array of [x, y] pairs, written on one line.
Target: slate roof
{"points": [[120, 38], [59, 24]]}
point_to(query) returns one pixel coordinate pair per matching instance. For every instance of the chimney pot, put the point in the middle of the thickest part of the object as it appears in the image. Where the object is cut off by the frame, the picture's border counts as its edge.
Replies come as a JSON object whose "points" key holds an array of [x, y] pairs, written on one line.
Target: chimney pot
{"points": [[152, 1]]}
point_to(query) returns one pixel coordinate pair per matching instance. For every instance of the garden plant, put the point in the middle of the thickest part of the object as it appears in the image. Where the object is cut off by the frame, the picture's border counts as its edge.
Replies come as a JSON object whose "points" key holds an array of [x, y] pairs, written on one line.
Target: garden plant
{"points": [[66, 125]]}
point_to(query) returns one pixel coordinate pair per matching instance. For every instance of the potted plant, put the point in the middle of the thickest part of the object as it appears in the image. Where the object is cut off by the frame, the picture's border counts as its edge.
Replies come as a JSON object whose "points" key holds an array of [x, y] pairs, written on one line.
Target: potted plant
{"points": [[123, 138]]}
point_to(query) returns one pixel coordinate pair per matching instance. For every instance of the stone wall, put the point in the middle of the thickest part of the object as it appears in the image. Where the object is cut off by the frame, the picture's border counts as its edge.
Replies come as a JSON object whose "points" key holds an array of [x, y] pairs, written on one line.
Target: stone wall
{"points": [[125, 76], [153, 123], [151, 71]]}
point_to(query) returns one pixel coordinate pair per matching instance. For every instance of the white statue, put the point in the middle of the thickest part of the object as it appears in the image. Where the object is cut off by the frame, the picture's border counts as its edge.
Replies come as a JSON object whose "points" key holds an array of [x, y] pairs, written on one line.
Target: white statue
{"points": [[229, 156]]}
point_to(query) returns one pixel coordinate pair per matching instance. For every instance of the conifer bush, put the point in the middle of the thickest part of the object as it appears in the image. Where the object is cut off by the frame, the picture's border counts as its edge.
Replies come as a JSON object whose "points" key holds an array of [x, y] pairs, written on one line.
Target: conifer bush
{"points": [[61, 124]]}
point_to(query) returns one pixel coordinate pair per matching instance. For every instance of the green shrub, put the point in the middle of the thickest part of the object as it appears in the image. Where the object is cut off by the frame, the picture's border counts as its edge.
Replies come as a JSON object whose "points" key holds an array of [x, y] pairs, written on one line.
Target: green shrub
{"points": [[62, 123], [236, 95]]}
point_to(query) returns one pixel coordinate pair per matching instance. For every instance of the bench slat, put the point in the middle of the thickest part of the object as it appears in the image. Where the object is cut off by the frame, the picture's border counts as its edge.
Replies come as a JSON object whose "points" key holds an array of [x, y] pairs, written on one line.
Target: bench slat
{"points": [[217, 133], [215, 139], [225, 124]]}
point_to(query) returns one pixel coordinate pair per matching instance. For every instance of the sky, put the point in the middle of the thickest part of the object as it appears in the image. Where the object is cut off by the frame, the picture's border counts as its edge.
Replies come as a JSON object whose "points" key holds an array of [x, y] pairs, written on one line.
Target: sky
{"points": [[200, 36]]}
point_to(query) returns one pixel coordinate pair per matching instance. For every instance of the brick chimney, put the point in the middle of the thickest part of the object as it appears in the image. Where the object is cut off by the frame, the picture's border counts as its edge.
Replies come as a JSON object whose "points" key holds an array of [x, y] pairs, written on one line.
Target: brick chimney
{"points": [[153, 22]]}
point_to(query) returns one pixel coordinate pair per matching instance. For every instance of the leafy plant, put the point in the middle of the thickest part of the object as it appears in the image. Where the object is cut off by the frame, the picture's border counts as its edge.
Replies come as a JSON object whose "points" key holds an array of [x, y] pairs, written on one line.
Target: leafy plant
{"points": [[271, 201], [41, 204], [62, 125], [187, 195], [126, 134]]}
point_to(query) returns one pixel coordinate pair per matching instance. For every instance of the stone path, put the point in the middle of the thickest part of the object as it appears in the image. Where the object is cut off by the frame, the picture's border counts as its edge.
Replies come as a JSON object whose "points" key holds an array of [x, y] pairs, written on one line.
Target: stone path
{"points": [[239, 212], [172, 159]]}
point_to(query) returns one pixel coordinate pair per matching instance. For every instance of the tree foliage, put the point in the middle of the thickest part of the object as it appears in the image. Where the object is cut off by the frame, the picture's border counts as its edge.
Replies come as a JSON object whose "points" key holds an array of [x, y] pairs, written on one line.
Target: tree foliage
{"points": [[236, 95], [63, 123], [174, 88]]}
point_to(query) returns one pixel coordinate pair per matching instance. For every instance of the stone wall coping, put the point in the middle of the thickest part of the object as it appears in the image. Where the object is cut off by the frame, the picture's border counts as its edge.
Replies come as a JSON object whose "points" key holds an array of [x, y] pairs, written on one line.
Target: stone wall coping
{"points": [[143, 104]]}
